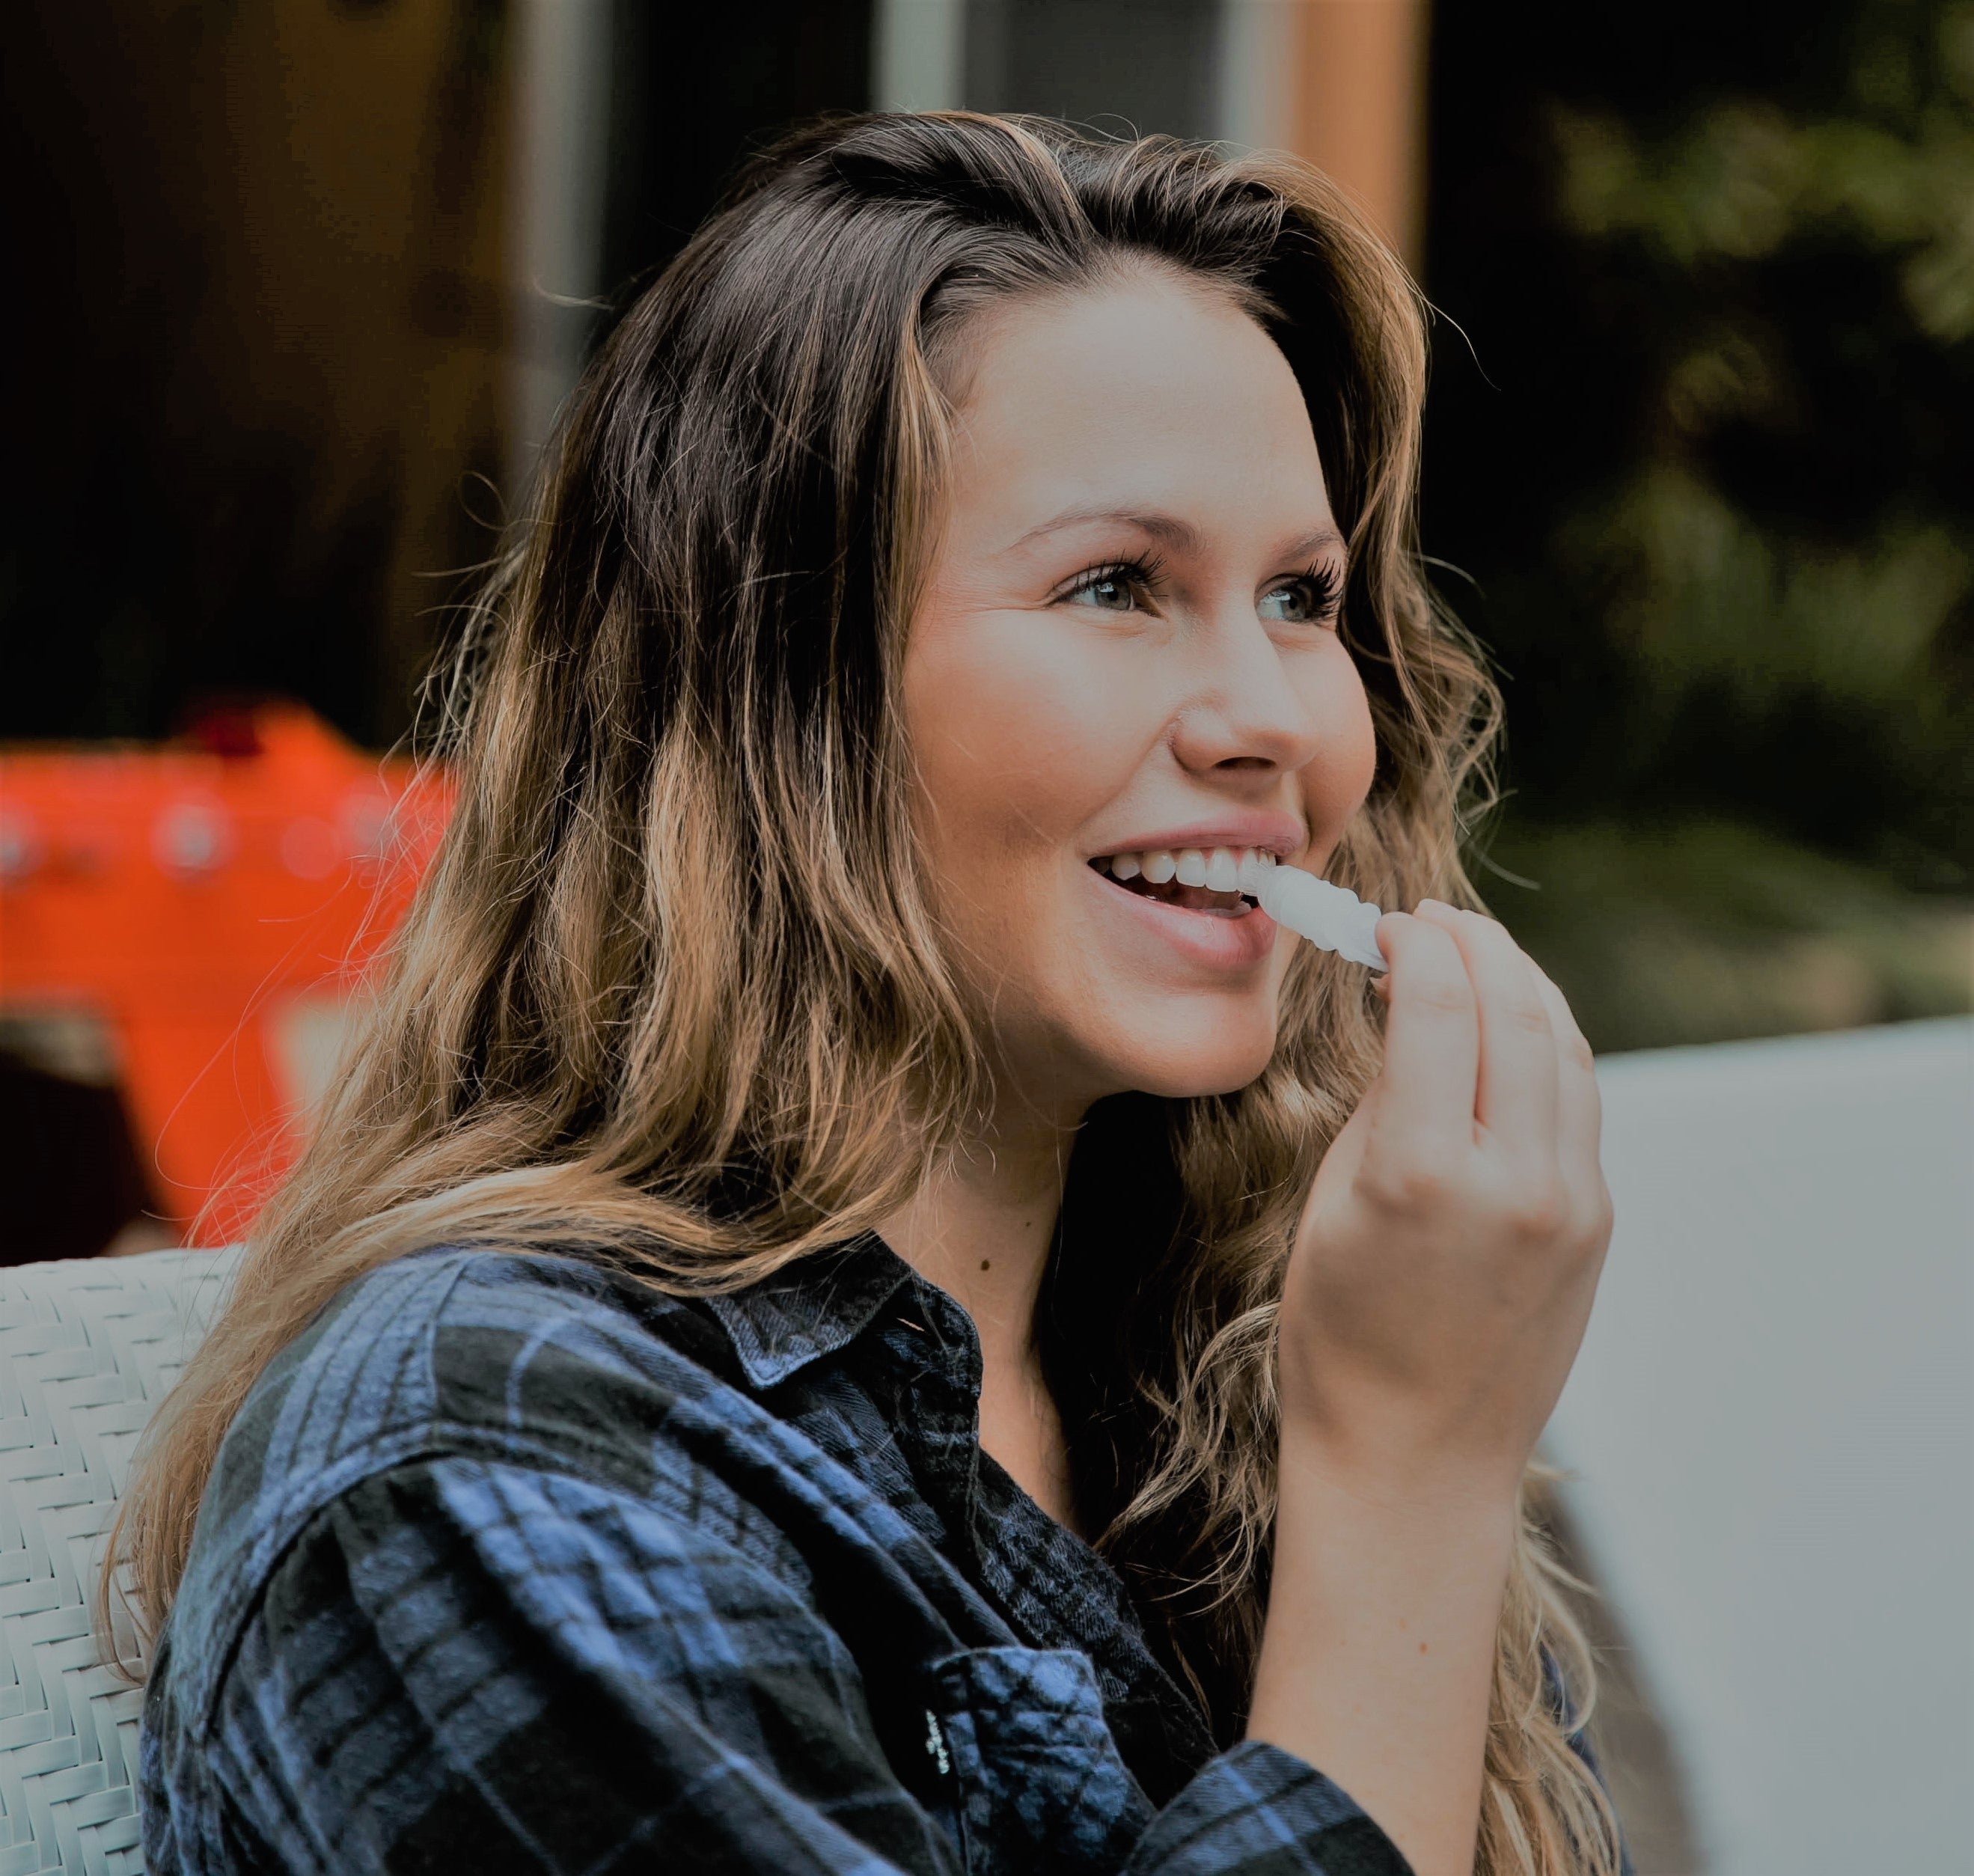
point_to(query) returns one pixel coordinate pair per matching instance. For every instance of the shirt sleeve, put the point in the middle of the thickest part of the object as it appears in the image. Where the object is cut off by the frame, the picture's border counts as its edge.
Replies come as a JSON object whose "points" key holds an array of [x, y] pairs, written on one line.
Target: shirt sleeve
{"points": [[467, 1664]]}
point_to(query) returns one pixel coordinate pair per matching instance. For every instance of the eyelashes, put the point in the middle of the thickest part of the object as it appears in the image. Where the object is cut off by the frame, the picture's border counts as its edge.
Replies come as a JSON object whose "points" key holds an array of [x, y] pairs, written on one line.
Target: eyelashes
{"points": [[1323, 582], [1141, 574]]}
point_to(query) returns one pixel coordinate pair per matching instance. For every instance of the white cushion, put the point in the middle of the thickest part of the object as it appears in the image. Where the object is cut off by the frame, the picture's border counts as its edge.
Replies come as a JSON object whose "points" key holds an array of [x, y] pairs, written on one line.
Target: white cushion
{"points": [[88, 1349]]}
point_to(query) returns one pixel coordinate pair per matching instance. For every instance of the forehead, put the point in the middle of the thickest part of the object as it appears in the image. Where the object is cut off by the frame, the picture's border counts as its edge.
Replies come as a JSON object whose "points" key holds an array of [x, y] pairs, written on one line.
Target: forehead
{"points": [[1149, 390]]}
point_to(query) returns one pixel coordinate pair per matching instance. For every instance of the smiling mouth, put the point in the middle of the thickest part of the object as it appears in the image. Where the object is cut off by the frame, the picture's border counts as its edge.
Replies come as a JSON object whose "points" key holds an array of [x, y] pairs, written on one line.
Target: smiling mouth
{"points": [[1157, 876]]}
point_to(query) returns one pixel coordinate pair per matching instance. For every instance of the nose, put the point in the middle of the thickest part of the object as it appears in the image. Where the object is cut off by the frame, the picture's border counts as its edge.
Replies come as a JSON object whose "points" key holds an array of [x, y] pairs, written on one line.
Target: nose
{"points": [[1244, 710]]}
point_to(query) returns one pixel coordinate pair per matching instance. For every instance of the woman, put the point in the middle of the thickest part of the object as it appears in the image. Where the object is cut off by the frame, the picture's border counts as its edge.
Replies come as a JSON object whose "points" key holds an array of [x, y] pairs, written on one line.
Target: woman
{"points": [[835, 1324]]}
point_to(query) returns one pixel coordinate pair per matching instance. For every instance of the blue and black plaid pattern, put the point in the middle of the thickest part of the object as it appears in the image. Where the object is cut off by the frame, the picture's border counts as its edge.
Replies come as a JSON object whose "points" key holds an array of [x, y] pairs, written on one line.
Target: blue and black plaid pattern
{"points": [[509, 1564]]}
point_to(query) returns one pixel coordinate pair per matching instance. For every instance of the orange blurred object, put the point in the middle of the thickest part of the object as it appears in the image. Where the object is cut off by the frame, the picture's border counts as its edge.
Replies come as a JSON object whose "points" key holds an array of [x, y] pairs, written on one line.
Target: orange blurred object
{"points": [[188, 896]]}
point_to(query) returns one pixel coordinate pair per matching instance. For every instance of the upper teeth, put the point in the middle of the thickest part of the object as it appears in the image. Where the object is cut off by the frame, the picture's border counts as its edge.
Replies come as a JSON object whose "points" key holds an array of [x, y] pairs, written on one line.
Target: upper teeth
{"points": [[1219, 869]]}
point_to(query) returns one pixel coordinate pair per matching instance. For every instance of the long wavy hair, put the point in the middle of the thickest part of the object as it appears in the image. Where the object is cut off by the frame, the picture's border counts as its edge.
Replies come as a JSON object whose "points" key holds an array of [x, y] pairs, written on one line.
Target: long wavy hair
{"points": [[672, 995]]}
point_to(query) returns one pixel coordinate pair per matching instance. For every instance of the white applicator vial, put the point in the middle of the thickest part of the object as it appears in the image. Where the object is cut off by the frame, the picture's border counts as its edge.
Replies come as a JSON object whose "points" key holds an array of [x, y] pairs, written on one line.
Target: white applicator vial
{"points": [[1331, 917]]}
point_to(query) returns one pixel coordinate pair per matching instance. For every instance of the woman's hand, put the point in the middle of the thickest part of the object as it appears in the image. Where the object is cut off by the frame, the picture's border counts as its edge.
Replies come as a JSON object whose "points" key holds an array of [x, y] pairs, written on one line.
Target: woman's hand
{"points": [[1438, 1287], [1444, 1265]]}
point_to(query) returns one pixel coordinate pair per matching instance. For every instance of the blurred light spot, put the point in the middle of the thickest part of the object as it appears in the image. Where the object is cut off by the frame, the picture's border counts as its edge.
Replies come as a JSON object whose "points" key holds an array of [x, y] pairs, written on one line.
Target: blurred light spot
{"points": [[191, 837], [20, 845]]}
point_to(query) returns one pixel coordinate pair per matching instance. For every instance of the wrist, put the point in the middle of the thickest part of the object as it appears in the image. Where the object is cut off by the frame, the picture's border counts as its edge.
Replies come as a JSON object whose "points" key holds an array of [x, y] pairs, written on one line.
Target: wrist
{"points": [[1397, 1481], [1378, 1651]]}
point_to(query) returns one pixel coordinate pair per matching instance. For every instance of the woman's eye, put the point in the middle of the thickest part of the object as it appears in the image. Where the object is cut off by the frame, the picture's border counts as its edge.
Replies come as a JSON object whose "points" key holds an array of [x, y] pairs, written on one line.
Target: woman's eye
{"points": [[1300, 602], [1109, 592]]}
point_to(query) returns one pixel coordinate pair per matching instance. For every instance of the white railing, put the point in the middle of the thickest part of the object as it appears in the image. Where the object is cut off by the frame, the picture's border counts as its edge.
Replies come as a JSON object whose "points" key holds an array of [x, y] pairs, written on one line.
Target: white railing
{"points": [[1772, 1428]]}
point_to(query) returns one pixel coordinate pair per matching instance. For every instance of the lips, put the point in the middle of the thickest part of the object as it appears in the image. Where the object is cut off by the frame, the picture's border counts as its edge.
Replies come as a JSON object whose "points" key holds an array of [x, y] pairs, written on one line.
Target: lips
{"points": [[1171, 922]]}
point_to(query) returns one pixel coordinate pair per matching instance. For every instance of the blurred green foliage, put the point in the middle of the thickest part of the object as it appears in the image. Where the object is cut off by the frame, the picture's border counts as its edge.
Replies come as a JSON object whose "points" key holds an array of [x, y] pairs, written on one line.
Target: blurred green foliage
{"points": [[1703, 442], [1706, 930]]}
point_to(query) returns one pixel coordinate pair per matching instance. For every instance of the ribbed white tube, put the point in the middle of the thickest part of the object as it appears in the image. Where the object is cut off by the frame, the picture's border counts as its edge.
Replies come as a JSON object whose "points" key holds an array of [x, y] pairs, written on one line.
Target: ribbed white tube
{"points": [[1332, 917]]}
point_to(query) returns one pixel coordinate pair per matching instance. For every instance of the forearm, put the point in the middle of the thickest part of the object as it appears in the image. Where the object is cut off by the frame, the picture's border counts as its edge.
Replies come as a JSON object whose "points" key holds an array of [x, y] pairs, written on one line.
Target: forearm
{"points": [[1378, 1655]]}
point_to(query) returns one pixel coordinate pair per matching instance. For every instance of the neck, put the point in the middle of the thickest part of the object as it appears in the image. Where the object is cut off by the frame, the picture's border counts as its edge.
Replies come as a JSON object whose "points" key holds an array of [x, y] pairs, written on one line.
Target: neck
{"points": [[980, 1228]]}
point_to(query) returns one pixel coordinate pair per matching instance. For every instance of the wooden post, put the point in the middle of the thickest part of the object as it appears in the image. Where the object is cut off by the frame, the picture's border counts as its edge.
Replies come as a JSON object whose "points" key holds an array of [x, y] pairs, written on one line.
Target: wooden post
{"points": [[1356, 108]]}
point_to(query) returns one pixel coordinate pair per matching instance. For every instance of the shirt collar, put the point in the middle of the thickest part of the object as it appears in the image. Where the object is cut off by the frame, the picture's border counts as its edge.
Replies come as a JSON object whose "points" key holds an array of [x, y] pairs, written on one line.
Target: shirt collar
{"points": [[810, 1308]]}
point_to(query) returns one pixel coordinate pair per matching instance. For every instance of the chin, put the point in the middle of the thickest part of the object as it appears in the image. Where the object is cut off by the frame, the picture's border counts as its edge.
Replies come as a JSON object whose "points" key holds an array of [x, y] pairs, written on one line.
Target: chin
{"points": [[1187, 1061]]}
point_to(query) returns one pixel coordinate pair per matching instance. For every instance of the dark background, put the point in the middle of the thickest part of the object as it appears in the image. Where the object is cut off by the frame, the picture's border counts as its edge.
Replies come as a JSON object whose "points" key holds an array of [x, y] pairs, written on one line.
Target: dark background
{"points": [[1700, 436], [1698, 467]]}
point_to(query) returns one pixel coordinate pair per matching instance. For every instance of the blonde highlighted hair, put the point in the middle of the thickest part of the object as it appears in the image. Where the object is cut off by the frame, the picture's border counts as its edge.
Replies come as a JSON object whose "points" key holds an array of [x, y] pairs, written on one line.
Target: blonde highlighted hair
{"points": [[671, 995]]}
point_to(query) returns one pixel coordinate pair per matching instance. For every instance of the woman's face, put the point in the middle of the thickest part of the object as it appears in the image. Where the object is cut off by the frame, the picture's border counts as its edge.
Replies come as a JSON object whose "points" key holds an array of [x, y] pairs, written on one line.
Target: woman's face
{"points": [[1128, 645]]}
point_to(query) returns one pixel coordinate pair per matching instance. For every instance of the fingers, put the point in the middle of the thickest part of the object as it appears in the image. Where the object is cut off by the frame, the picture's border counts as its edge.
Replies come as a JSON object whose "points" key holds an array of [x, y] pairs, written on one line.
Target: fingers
{"points": [[1425, 1118], [1515, 1098], [1579, 1106]]}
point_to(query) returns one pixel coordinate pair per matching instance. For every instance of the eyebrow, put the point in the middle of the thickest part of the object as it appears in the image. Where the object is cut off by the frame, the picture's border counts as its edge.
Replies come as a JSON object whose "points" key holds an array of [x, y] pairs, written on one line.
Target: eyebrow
{"points": [[1181, 535]]}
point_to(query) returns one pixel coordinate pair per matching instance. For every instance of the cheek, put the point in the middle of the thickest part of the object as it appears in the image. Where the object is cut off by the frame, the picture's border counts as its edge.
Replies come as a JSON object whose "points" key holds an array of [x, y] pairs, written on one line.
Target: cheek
{"points": [[1336, 781], [1018, 741]]}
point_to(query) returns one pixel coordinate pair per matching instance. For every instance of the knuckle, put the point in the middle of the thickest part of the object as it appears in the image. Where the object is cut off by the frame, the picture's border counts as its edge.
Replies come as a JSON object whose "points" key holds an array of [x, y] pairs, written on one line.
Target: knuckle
{"points": [[1443, 995], [1530, 1018], [1542, 1210], [1588, 1224], [1405, 1186]]}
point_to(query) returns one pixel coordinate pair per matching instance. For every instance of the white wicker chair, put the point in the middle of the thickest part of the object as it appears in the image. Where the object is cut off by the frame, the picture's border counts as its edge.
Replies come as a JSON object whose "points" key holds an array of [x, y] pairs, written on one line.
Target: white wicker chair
{"points": [[88, 1349]]}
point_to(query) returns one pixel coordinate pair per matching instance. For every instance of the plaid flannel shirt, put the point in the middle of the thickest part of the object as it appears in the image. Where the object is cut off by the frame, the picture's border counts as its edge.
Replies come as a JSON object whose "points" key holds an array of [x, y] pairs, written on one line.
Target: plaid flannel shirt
{"points": [[509, 1564]]}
